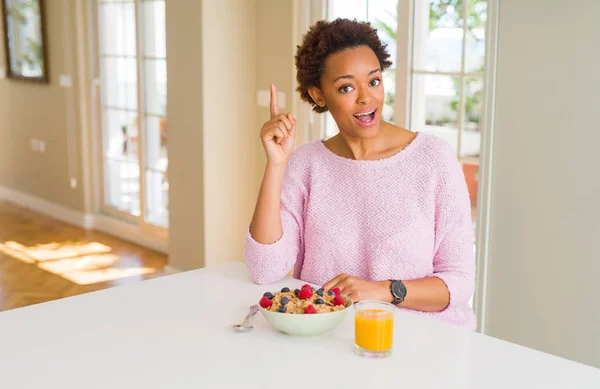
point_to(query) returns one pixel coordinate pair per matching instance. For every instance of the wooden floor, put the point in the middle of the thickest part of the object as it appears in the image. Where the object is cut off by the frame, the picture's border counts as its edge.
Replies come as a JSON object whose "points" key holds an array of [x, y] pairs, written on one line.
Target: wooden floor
{"points": [[42, 259]]}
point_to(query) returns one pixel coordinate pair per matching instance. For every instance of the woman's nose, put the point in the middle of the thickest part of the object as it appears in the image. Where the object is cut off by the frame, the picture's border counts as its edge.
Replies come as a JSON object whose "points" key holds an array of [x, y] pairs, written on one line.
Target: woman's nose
{"points": [[364, 97]]}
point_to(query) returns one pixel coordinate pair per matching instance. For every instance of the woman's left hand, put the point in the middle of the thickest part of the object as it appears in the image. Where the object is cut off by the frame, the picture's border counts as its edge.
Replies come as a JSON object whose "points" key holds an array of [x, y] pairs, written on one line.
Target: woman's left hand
{"points": [[357, 289]]}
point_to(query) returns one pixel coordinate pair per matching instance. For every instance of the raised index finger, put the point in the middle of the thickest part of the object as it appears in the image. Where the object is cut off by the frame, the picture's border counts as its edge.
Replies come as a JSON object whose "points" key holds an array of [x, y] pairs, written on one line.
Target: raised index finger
{"points": [[274, 102]]}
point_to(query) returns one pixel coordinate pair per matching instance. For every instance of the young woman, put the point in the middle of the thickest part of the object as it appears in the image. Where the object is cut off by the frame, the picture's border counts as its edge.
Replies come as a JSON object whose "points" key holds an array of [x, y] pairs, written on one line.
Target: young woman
{"points": [[377, 211]]}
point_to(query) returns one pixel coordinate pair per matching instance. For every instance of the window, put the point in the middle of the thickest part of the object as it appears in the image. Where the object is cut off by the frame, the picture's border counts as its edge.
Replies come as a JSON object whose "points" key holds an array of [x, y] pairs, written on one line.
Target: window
{"points": [[133, 68], [447, 73]]}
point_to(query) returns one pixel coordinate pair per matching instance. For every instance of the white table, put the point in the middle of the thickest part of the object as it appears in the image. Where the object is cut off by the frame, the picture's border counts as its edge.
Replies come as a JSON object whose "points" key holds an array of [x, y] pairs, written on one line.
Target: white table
{"points": [[174, 332]]}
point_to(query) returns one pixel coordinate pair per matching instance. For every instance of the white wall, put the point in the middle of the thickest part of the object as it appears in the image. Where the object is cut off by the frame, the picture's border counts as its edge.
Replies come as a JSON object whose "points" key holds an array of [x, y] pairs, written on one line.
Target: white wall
{"points": [[545, 222]]}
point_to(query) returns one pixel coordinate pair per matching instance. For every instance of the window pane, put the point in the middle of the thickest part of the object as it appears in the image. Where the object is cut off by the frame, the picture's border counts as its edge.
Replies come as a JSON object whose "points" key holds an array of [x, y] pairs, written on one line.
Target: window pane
{"points": [[119, 83], [435, 104], [470, 167], [156, 86], [470, 144], [157, 198], [331, 128], [120, 134], [156, 143], [155, 43], [438, 35], [389, 85], [349, 9], [117, 28], [383, 15], [155, 99], [122, 185], [475, 44]]}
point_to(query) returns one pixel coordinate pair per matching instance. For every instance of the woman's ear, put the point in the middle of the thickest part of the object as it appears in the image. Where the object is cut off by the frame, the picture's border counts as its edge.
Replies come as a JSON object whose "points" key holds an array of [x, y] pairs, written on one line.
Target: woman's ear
{"points": [[317, 96]]}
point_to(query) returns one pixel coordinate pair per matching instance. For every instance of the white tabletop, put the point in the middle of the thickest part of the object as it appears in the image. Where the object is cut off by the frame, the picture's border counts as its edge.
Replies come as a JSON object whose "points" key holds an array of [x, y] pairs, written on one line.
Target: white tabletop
{"points": [[174, 332]]}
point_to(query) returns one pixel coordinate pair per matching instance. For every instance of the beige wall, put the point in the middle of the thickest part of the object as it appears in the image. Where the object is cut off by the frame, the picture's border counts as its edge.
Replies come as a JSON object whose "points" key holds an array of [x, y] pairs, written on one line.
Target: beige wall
{"points": [[275, 56], [46, 112], [229, 67], [186, 126], [212, 67], [545, 222]]}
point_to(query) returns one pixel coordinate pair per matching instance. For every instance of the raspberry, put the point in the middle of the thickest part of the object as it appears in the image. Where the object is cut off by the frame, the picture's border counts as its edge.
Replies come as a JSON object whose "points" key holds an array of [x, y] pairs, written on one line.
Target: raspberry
{"points": [[306, 286], [338, 300], [305, 293], [265, 302], [336, 291], [310, 309]]}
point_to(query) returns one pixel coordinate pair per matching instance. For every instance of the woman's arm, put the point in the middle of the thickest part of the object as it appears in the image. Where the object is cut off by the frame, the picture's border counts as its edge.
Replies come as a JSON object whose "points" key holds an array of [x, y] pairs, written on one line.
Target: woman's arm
{"points": [[266, 227], [426, 294], [273, 237], [453, 279]]}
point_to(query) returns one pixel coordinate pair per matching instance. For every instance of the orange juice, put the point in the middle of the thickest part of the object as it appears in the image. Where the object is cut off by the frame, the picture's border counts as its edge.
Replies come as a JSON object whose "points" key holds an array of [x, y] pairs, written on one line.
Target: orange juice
{"points": [[374, 329]]}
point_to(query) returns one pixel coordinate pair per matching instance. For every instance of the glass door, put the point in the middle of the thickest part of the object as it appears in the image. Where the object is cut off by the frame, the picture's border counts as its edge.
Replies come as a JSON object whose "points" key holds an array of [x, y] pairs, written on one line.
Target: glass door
{"points": [[133, 104]]}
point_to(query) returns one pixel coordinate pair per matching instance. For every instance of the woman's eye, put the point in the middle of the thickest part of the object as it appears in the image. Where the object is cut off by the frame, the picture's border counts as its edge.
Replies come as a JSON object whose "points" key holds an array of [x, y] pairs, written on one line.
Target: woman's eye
{"points": [[346, 89], [375, 82]]}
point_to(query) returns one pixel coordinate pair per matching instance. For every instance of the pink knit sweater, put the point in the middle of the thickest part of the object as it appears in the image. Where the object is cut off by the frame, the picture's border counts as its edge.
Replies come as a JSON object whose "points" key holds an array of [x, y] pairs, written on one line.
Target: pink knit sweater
{"points": [[403, 217]]}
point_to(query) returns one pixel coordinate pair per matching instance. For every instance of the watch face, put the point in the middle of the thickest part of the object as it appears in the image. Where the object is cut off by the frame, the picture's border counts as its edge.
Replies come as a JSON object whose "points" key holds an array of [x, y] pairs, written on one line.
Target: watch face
{"points": [[399, 290]]}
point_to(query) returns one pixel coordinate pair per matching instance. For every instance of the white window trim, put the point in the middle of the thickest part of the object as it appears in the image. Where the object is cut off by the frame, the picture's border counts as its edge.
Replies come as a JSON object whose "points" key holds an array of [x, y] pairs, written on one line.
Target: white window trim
{"points": [[403, 63], [486, 161]]}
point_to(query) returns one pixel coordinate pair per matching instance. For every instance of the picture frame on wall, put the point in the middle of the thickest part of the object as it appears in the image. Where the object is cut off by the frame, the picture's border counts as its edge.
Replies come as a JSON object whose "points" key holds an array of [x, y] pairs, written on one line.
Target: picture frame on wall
{"points": [[25, 40]]}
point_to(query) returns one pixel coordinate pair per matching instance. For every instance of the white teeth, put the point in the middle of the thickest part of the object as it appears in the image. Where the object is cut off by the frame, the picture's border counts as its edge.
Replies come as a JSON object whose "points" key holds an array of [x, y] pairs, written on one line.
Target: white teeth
{"points": [[364, 114]]}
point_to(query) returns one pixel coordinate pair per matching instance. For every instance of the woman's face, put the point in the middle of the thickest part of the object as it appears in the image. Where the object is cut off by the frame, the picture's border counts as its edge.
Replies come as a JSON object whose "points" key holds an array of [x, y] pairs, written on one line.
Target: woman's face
{"points": [[352, 89]]}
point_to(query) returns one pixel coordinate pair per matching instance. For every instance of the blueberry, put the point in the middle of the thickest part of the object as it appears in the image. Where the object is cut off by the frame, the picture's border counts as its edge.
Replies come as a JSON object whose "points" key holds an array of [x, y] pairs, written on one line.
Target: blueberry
{"points": [[268, 295], [282, 309], [285, 290], [320, 292], [285, 300], [331, 293], [313, 289], [319, 301], [296, 291]]}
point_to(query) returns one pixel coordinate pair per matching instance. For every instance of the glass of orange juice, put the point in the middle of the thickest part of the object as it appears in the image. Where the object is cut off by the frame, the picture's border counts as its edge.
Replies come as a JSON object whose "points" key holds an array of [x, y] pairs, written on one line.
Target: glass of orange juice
{"points": [[373, 328]]}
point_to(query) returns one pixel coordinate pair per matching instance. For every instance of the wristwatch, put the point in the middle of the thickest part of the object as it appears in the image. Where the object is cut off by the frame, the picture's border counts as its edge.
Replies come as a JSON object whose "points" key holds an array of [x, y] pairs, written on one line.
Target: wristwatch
{"points": [[398, 291]]}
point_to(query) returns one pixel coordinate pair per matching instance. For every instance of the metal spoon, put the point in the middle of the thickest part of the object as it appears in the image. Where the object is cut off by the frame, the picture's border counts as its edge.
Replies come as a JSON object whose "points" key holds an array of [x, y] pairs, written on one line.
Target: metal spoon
{"points": [[245, 326]]}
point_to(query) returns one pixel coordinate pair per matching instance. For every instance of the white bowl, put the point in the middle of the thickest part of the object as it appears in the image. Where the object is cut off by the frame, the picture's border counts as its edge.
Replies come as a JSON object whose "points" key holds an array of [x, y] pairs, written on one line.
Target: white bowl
{"points": [[306, 324]]}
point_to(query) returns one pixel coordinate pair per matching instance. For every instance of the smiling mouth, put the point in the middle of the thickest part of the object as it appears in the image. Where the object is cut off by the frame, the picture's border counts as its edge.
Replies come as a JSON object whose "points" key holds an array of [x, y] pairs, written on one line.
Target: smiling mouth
{"points": [[365, 117]]}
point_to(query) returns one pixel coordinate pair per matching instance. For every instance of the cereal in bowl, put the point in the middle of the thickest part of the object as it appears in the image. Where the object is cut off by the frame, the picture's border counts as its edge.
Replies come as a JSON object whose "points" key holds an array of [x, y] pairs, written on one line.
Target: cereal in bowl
{"points": [[305, 300]]}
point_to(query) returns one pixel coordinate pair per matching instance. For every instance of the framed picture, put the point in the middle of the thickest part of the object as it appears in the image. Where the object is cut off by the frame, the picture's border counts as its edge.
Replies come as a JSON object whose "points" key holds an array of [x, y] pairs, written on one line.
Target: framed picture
{"points": [[24, 39]]}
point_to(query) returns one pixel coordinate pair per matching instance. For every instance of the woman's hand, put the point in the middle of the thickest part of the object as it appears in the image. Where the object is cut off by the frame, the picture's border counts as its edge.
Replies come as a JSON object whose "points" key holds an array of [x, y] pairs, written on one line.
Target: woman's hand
{"points": [[357, 289], [278, 134]]}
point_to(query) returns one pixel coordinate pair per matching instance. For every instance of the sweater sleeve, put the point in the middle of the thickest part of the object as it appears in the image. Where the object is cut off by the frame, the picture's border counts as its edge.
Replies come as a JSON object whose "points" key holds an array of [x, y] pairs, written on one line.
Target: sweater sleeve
{"points": [[453, 260], [269, 263]]}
